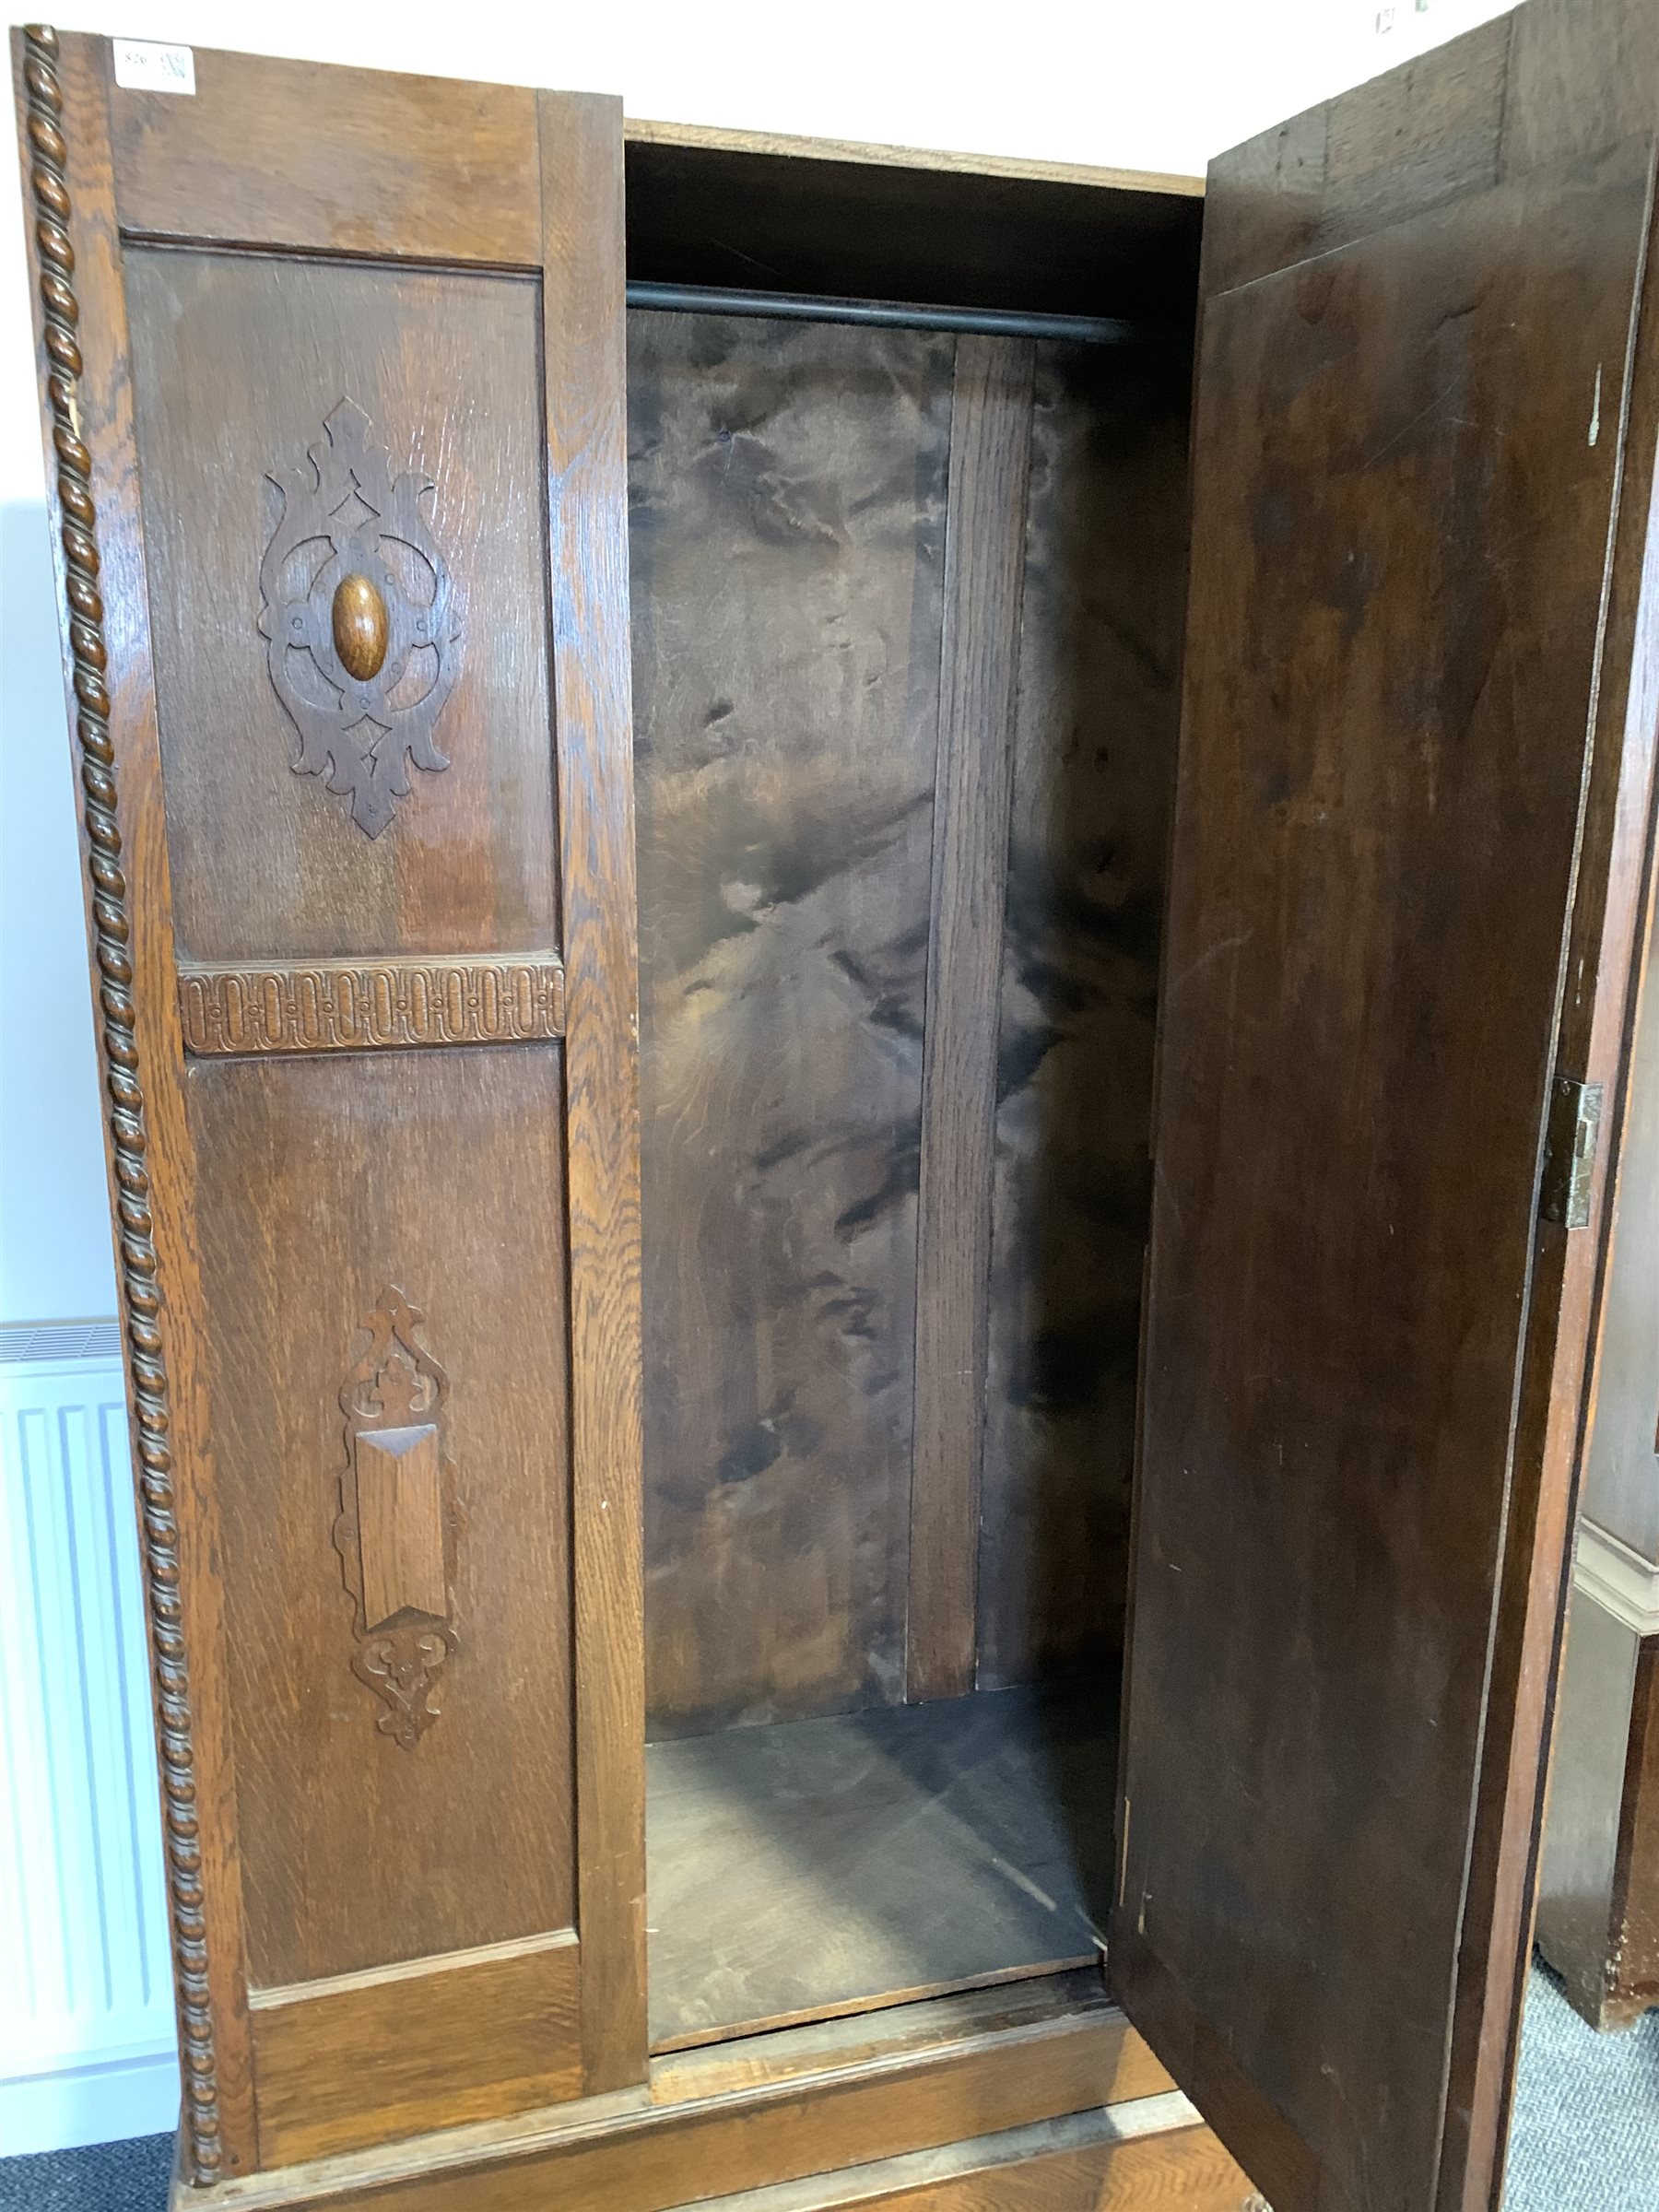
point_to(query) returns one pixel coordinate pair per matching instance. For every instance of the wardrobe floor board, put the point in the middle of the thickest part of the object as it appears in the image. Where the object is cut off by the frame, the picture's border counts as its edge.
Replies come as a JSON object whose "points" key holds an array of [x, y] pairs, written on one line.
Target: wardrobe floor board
{"points": [[815, 1867]]}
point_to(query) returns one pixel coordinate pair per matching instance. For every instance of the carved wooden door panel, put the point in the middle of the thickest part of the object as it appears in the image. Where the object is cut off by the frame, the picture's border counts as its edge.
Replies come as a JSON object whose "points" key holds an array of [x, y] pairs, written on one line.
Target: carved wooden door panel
{"points": [[1408, 833], [332, 364]]}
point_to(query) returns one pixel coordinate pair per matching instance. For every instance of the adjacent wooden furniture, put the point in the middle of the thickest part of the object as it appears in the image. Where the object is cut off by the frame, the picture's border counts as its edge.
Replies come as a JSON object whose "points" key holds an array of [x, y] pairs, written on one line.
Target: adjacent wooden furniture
{"points": [[1598, 1903], [856, 1492]]}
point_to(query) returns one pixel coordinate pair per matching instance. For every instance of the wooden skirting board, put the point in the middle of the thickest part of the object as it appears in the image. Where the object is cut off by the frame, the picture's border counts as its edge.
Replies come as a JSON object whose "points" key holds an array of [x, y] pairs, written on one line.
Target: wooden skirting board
{"points": [[783, 2109]]}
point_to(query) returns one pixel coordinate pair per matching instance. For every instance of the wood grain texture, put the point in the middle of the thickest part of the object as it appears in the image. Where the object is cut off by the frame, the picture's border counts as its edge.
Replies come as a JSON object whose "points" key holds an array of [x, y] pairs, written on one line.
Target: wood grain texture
{"points": [[400, 1522], [716, 138], [245, 356], [883, 2032], [1414, 137], [84, 351], [584, 355], [883, 1854], [1094, 766], [436, 2043], [1552, 82], [1338, 1283], [331, 161], [788, 488], [619, 2154], [1600, 969], [255, 332], [317, 1182], [1084, 2164], [1582, 76], [985, 559]]}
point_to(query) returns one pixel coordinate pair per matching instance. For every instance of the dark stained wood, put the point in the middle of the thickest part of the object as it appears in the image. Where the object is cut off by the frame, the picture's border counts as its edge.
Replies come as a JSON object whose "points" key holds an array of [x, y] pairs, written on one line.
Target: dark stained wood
{"points": [[1366, 1375], [92, 496], [788, 519], [1105, 559], [1549, 82], [1580, 1929], [918, 2078], [439, 2042], [1428, 132], [1582, 76], [585, 367], [800, 215], [1367, 937], [777, 1453], [1601, 968], [822, 1866], [243, 355], [1634, 1955], [367, 162], [985, 553]]}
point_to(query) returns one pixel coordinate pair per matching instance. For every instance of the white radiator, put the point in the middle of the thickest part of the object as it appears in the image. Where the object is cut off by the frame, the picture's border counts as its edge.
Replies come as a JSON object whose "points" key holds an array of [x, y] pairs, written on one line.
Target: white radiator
{"points": [[87, 2041]]}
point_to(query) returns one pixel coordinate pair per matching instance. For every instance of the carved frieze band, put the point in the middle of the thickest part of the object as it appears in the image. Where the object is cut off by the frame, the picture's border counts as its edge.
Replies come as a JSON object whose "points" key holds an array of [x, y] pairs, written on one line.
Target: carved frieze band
{"points": [[201, 2154], [354, 1005]]}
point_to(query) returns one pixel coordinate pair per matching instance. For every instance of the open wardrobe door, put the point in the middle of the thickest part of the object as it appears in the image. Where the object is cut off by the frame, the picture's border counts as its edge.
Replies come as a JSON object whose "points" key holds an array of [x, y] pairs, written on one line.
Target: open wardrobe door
{"points": [[333, 376], [1413, 802]]}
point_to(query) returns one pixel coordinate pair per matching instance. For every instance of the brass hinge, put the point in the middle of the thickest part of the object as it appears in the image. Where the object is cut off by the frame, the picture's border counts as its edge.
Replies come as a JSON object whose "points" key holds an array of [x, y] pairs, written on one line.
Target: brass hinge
{"points": [[1570, 1151]]}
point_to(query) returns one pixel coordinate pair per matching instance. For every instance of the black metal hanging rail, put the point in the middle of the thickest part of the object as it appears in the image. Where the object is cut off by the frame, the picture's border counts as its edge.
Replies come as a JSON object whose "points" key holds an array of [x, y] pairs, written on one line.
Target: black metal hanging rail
{"points": [[895, 314]]}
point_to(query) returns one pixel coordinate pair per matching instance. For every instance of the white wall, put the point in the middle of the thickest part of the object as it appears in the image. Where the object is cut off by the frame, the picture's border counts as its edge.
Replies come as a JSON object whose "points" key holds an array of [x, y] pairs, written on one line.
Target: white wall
{"points": [[1159, 84]]}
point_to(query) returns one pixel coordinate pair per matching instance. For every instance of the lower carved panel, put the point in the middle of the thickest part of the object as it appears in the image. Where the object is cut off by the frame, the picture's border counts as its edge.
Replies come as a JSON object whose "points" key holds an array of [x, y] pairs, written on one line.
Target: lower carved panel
{"points": [[353, 1005]]}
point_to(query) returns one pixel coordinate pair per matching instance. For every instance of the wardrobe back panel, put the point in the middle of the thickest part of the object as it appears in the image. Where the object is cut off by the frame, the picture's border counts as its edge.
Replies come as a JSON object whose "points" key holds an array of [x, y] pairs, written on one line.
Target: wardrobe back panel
{"points": [[792, 488], [788, 521], [1093, 767]]}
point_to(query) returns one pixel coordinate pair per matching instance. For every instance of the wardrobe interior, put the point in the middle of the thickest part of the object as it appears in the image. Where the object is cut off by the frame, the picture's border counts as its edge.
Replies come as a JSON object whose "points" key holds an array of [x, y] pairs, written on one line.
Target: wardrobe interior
{"points": [[906, 604]]}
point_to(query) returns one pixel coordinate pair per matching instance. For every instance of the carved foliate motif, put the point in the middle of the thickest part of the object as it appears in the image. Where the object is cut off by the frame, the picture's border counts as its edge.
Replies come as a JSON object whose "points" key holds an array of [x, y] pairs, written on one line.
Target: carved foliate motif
{"points": [[395, 1538], [352, 568]]}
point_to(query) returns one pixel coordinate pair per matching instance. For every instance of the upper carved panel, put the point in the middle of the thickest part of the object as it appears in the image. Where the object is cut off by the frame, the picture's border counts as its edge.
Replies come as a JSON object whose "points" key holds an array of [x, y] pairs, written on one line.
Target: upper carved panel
{"points": [[359, 629]]}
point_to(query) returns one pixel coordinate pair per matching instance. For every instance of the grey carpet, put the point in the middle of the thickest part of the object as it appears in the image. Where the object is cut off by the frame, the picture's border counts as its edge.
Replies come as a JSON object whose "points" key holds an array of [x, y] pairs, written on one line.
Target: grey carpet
{"points": [[1586, 2134], [1586, 2131], [105, 2177]]}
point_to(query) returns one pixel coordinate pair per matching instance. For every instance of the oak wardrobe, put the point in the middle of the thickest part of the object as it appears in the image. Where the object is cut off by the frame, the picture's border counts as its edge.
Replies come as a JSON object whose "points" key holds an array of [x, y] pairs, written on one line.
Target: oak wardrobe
{"points": [[862, 933]]}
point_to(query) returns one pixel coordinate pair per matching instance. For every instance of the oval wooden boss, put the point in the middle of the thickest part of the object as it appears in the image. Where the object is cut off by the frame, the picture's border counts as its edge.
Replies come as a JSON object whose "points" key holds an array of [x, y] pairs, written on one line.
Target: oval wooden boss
{"points": [[360, 627]]}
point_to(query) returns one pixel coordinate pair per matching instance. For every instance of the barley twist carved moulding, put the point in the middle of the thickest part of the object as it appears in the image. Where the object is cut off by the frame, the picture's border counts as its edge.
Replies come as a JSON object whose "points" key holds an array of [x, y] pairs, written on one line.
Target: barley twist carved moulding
{"points": [[142, 1306], [358, 619]]}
